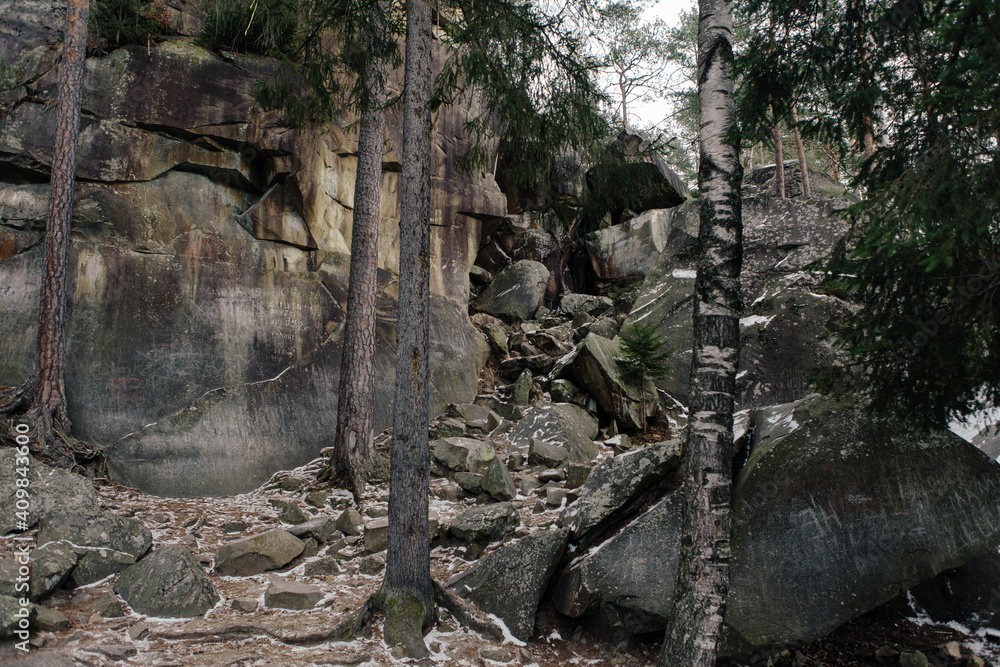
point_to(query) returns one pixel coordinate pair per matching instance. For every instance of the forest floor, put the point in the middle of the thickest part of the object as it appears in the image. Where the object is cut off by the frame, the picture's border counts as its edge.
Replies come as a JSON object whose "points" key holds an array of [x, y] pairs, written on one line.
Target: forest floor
{"points": [[230, 638]]}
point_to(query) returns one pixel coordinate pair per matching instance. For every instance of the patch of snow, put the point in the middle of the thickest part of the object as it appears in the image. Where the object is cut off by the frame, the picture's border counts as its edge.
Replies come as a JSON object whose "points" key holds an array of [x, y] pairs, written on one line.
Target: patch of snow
{"points": [[684, 273], [508, 638], [755, 319]]}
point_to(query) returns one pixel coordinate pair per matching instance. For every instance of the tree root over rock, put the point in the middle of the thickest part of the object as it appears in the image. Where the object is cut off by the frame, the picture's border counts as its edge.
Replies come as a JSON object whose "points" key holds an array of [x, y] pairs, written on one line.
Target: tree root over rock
{"points": [[49, 432]]}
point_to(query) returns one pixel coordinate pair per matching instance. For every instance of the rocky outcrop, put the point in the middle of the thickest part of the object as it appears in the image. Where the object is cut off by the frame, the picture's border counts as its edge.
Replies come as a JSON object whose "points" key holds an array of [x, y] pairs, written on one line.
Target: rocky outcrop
{"points": [[630, 401], [784, 328], [629, 249], [210, 259]]}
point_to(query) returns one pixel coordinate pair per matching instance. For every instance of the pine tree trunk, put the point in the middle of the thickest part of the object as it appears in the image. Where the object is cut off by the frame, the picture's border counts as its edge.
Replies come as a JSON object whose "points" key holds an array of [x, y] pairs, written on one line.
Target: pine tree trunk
{"points": [[699, 603], [779, 164], [406, 594], [803, 163], [355, 458], [48, 400]]}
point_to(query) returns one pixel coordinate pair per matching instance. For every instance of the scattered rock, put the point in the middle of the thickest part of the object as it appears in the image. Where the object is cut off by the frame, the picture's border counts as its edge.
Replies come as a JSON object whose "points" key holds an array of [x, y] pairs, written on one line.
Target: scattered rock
{"points": [[51, 491], [106, 606], [320, 528], [169, 583], [377, 535], [322, 567], [556, 497], [350, 522], [463, 454], [118, 652], [371, 565], [50, 620], [317, 499], [469, 482], [282, 594], [234, 526], [253, 555], [292, 513], [510, 581], [138, 631], [245, 605], [914, 659], [521, 393], [97, 564], [562, 424], [485, 524], [12, 616], [543, 453], [99, 529], [576, 475], [498, 482]]}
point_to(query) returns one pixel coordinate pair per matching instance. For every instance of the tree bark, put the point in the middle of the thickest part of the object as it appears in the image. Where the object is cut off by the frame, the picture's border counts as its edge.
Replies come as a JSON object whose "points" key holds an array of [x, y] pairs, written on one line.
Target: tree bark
{"points": [[45, 390], [779, 162], [355, 458], [800, 147], [699, 602], [407, 593]]}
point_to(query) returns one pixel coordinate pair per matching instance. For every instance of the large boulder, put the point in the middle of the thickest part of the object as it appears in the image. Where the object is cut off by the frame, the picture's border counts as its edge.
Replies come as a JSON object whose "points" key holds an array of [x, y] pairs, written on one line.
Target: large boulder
{"points": [[562, 424], [208, 278], [619, 485], [834, 513], [629, 249], [463, 454], [969, 595], [50, 567], [252, 555], [12, 616], [630, 400], [660, 186], [50, 491], [510, 581], [627, 581], [517, 292], [168, 583], [96, 529]]}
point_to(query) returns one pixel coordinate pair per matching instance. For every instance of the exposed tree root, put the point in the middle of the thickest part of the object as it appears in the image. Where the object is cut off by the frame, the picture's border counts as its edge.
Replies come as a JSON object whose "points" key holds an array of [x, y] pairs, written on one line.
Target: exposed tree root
{"points": [[467, 613], [49, 431]]}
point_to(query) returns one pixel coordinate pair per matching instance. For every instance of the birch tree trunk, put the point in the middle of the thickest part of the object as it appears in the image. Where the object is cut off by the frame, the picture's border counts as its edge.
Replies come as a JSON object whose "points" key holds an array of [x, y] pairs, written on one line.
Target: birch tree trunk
{"points": [[407, 595], [801, 149], [699, 603], [45, 390], [355, 458]]}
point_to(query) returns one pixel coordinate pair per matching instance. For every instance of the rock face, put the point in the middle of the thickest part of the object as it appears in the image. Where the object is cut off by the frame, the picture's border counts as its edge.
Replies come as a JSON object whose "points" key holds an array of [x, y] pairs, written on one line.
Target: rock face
{"points": [[509, 582], [169, 582], [208, 271], [517, 292]]}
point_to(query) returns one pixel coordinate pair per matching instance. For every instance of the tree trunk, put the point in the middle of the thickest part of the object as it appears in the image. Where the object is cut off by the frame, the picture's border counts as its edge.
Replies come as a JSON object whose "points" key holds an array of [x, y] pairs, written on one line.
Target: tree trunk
{"points": [[699, 601], [45, 390], [800, 147], [355, 458], [779, 163], [406, 594]]}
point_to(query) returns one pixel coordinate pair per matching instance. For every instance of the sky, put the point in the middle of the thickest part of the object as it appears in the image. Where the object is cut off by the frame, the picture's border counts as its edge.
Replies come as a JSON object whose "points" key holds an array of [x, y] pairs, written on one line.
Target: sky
{"points": [[651, 113]]}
